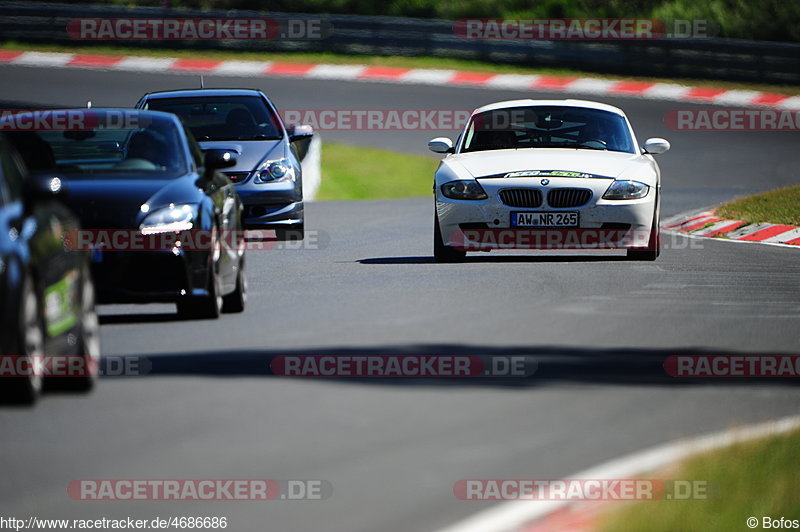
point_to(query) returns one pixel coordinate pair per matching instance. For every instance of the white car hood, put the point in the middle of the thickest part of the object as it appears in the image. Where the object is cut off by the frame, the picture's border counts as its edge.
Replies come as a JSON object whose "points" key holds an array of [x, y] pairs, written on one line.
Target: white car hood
{"points": [[602, 163]]}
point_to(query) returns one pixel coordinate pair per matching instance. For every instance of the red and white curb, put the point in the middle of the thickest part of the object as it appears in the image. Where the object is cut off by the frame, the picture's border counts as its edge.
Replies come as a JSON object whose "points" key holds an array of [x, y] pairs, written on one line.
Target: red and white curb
{"points": [[584, 85], [531, 516], [707, 224]]}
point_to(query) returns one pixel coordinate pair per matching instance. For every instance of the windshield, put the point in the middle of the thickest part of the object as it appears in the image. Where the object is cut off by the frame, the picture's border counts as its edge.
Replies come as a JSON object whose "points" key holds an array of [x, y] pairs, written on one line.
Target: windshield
{"points": [[147, 146], [548, 127], [223, 117]]}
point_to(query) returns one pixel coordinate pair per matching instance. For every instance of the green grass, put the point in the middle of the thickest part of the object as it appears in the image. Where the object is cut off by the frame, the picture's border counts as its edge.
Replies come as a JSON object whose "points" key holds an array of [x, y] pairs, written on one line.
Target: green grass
{"points": [[780, 206], [393, 61], [357, 173], [752, 479]]}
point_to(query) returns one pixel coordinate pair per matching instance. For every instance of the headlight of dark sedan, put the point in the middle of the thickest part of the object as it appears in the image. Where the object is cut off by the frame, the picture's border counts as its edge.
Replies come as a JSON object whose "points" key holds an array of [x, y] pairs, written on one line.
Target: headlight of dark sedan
{"points": [[174, 218], [463, 190], [625, 190], [275, 171]]}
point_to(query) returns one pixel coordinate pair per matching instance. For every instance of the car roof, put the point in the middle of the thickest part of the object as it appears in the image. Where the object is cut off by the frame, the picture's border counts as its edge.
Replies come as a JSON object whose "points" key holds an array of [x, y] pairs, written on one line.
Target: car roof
{"points": [[194, 93], [585, 104]]}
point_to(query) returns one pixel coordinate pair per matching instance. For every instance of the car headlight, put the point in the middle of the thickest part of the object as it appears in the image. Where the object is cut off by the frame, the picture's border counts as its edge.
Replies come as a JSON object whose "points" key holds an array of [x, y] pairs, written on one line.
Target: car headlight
{"points": [[463, 190], [174, 218], [275, 171], [626, 189]]}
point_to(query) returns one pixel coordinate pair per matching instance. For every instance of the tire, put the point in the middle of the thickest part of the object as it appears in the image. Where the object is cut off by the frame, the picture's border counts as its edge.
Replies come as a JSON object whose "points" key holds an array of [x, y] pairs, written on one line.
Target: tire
{"points": [[89, 340], [205, 307], [442, 253], [30, 344], [296, 233], [236, 300], [653, 249]]}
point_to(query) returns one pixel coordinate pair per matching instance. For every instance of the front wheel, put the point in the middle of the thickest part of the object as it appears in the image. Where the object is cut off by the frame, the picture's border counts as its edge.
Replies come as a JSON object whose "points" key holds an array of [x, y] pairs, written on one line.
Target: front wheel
{"points": [[89, 340], [653, 249], [293, 234], [441, 252], [206, 307], [209, 306], [25, 387], [235, 301]]}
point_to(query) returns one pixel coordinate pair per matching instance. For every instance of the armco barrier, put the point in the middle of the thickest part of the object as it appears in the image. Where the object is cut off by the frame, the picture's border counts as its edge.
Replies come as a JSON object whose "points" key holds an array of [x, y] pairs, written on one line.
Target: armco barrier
{"points": [[707, 58]]}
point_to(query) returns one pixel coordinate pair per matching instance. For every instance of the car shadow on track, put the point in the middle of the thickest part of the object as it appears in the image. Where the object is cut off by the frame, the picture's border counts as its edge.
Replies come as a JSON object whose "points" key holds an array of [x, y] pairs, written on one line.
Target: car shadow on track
{"points": [[543, 365], [487, 258], [133, 317]]}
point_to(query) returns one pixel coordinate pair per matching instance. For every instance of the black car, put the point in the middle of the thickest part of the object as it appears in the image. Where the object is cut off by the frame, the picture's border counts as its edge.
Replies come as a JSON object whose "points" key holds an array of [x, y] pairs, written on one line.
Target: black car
{"points": [[268, 174], [161, 223], [46, 291]]}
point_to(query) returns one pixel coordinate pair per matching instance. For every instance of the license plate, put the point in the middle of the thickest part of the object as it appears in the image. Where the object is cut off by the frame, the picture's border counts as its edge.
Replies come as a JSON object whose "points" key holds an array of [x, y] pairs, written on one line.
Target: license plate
{"points": [[544, 219]]}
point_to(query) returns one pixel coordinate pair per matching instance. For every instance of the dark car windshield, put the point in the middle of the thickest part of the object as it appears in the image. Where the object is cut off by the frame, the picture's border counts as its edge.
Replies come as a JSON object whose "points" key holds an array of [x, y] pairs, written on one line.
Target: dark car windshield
{"points": [[548, 127], [223, 117], [126, 142]]}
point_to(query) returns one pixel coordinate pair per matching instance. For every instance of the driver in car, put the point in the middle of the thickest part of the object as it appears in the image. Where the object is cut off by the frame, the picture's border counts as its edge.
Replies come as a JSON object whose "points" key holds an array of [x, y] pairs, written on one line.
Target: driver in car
{"points": [[147, 151]]}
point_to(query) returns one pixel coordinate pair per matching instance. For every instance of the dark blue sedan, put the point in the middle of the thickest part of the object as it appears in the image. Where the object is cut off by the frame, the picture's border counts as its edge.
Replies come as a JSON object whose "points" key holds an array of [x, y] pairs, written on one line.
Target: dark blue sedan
{"points": [[161, 223]]}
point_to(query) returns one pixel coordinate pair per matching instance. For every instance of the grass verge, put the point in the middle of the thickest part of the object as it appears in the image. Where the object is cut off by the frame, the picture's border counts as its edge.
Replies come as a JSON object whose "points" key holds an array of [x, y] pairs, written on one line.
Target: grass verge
{"points": [[780, 206], [358, 173], [393, 61], [751, 479]]}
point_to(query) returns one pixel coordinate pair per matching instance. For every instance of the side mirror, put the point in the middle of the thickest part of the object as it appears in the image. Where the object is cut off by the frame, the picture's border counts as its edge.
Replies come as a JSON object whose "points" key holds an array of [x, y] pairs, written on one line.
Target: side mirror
{"points": [[215, 159], [300, 132], [300, 139], [655, 146], [441, 145]]}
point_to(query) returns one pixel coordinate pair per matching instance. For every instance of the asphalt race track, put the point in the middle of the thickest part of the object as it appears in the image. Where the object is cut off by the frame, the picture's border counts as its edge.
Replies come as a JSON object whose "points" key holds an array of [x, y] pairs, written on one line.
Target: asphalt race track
{"points": [[599, 328]]}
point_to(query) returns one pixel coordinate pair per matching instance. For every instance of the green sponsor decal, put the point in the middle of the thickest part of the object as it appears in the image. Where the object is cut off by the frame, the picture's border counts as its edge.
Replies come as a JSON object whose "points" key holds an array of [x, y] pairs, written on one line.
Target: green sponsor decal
{"points": [[58, 313], [548, 173], [562, 173]]}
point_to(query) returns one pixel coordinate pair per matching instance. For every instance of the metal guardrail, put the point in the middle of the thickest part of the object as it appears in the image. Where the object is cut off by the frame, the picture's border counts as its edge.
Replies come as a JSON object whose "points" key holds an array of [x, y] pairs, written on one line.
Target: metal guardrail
{"points": [[722, 59]]}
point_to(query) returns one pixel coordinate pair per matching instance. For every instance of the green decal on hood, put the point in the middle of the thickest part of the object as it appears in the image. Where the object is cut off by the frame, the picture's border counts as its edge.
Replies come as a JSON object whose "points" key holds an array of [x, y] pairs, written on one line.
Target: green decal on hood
{"points": [[549, 173]]}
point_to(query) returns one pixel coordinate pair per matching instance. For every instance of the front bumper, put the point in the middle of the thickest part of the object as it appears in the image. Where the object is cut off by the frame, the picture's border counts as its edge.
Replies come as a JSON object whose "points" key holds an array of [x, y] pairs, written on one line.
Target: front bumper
{"points": [[484, 225], [150, 276], [283, 216], [272, 206]]}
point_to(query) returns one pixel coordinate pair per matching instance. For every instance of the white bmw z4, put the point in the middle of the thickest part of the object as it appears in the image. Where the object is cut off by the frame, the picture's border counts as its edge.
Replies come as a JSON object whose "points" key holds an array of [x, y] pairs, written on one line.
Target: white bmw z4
{"points": [[547, 174]]}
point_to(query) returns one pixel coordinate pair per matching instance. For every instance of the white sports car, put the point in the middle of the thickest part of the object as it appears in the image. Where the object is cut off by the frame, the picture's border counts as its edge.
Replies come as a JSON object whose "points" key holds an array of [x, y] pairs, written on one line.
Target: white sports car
{"points": [[547, 174]]}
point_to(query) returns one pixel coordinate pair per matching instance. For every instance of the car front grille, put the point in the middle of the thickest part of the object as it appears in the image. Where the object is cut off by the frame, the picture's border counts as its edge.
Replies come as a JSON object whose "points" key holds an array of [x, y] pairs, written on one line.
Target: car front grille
{"points": [[237, 177], [568, 197], [521, 197]]}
